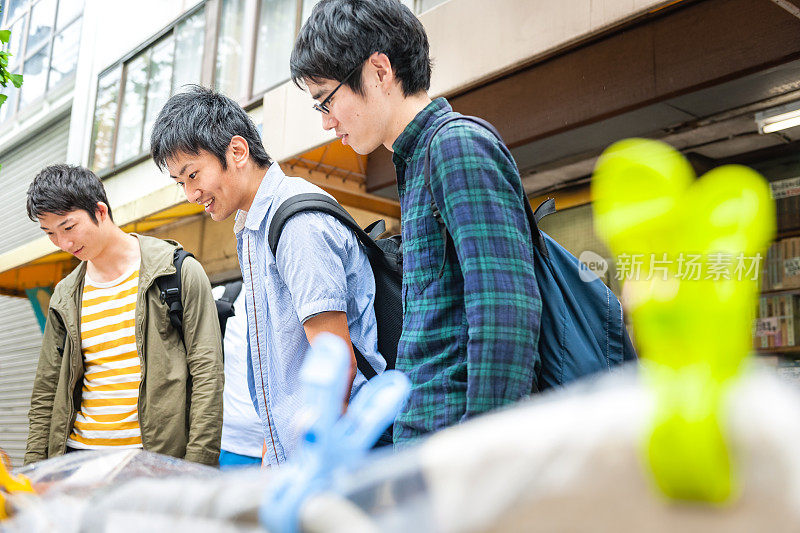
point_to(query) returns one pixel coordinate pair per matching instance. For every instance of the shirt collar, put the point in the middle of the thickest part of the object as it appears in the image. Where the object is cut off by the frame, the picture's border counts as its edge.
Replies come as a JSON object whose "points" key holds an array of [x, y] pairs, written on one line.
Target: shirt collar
{"points": [[253, 218], [406, 143]]}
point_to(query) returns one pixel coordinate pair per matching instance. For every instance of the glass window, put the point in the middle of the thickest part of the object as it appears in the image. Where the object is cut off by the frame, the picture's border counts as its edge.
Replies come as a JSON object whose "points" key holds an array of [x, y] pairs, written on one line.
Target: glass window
{"points": [[308, 6], [45, 53], [14, 8], [68, 10], [8, 107], [148, 80], [228, 79], [43, 16], [275, 40], [158, 87], [129, 138], [15, 43], [105, 118], [65, 54], [425, 5], [34, 73], [190, 37]]}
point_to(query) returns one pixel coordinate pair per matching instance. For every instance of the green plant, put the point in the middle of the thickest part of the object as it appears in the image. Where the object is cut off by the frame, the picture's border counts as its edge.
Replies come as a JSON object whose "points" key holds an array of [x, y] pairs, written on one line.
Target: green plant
{"points": [[5, 75]]}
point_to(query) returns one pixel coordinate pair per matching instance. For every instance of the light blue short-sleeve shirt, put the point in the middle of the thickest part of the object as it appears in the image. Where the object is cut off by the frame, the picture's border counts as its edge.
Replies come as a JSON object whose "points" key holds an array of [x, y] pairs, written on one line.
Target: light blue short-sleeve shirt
{"points": [[321, 267]]}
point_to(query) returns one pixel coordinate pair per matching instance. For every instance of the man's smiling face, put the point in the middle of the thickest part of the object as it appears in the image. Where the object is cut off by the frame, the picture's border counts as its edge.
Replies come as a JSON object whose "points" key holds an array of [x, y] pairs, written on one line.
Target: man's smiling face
{"points": [[205, 182]]}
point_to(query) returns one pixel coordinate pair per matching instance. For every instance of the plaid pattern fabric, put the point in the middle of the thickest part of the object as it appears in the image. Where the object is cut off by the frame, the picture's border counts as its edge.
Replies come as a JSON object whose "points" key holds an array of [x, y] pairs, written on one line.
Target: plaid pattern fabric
{"points": [[469, 341]]}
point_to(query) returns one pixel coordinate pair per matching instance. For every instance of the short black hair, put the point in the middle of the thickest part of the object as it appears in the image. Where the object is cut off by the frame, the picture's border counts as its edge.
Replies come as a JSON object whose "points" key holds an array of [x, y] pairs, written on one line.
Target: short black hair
{"points": [[202, 119], [59, 189], [341, 34]]}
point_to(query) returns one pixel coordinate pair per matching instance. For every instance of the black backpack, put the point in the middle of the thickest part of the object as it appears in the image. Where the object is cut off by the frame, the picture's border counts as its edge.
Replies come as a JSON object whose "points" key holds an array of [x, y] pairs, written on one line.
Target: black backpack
{"points": [[385, 258], [170, 286]]}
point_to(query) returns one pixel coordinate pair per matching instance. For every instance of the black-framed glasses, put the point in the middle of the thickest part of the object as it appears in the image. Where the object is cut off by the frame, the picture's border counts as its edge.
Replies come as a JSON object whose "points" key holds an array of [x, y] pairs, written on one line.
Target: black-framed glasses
{"points": [[322, 107]]}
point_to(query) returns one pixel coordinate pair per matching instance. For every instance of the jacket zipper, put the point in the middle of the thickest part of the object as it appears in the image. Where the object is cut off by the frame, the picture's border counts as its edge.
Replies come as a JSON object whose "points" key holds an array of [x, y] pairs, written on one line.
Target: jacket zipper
{"points": [[140, 348], [142, 365], [73, 382]]}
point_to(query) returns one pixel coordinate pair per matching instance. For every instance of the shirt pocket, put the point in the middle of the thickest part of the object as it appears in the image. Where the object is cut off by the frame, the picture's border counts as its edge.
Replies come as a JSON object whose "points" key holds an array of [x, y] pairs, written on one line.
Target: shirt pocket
{"points": [[423, 247], [158, 311]]}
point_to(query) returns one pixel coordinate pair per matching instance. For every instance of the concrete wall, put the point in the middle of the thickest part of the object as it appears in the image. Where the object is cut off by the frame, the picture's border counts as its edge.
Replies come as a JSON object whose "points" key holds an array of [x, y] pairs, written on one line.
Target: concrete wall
{"points": [[502, 35]]}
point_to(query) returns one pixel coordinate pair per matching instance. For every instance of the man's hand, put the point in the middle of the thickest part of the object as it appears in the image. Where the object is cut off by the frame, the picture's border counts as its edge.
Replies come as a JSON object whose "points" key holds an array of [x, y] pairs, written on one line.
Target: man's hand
{"points": [[333, 322]]}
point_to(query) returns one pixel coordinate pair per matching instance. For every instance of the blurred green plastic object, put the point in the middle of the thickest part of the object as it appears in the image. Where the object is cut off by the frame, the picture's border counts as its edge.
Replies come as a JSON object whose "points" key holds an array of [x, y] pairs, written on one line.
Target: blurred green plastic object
{"points": [[691, 298]]}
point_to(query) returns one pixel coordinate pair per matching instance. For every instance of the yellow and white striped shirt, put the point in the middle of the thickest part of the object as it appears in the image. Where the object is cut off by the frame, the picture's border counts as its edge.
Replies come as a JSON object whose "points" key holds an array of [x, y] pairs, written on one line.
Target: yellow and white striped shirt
{"points": [[108, 415]]}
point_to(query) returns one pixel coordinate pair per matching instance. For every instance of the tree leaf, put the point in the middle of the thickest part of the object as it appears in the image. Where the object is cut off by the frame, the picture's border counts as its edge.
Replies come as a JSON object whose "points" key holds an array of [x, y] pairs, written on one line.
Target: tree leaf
{"points": [[5, 36], [3, 98], [16, 79]]}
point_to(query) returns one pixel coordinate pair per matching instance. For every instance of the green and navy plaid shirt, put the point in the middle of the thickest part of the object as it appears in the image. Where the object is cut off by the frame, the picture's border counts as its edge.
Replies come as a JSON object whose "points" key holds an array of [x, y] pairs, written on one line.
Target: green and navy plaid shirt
{"points": [[469, 341]]}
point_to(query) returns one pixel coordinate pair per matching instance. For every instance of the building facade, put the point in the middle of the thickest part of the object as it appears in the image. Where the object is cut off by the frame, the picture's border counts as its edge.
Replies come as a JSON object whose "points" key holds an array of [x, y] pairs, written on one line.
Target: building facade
{"points": [[560, 80]]}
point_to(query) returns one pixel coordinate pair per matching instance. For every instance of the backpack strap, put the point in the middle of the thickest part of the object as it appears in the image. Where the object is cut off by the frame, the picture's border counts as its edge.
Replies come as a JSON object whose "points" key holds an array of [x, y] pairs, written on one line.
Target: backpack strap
{"points": [[170, 287], [313, 201], [548, 207], [224, 303], [363, 365], [305, 202], [232, 291], [538, 239], [376, 229]]}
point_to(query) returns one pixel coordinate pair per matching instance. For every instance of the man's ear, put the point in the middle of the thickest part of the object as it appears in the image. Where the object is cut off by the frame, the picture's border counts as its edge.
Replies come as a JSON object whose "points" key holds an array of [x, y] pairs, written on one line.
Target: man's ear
{"points": [[380, 70], [238, 151], [101, 213]]}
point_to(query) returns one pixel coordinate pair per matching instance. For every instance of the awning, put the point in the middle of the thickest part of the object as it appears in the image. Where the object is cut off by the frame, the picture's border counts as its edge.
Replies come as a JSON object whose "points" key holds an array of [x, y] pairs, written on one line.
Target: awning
{"points": [[333, 167], [40, 264]]}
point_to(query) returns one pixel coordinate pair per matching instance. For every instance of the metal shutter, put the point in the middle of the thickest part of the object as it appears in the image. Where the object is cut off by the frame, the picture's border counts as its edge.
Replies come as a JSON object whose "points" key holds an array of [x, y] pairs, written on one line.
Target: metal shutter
{"points": [[20, 340], [19, 165]]}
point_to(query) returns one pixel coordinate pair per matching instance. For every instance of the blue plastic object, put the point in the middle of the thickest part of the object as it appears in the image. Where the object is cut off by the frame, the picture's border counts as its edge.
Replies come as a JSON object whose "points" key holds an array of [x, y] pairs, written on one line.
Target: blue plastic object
{"points": [[331, 442]]}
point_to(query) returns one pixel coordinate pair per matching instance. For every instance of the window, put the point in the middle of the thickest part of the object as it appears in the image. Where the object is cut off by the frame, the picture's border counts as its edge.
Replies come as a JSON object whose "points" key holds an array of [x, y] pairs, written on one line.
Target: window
{"points": [[45, 36], [189, 40], [275, 38], [425, 5], [243, 72], [131, 93], [105, 116], [277, 23], [308, 6], [230, 49]]}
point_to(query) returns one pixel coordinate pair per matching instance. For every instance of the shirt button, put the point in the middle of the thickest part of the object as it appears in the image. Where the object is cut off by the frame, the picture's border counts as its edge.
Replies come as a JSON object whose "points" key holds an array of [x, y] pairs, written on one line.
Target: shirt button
{"points": [[408, 160]]}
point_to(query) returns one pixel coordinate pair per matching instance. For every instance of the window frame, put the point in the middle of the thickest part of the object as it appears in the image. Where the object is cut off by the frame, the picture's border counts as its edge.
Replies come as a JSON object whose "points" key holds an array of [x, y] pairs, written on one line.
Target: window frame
{"points": [[418, 6], [24, 55], [145, 47], [253, 98], [208, 72]]}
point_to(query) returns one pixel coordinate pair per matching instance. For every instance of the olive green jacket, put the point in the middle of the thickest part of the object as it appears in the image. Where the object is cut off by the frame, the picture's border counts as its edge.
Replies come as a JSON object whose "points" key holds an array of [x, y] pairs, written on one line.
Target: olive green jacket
{"points": [[180, 396]]}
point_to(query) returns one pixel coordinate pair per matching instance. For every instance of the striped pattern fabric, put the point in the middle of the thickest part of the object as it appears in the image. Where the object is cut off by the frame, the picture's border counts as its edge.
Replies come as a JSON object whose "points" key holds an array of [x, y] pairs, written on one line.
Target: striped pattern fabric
{"points": [[108, 415]]}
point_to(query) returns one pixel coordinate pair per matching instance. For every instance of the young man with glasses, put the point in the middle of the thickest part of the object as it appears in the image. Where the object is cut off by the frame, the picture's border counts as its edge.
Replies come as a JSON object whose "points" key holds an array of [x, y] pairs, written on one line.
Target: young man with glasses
{"points": [[471, 326], [319, 279]]}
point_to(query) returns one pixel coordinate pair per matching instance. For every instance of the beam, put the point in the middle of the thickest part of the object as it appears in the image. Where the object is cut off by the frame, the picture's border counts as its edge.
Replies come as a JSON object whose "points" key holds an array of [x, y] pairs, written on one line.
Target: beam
{"points": [[682, 49], [689, 48], [361, 200]]}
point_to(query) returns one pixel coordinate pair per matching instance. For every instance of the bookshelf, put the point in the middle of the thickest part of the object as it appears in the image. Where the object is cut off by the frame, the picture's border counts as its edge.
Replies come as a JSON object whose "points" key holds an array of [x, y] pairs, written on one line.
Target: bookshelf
{"points": [[775, 292], [782, 350], [787, 234], [778, 310]]}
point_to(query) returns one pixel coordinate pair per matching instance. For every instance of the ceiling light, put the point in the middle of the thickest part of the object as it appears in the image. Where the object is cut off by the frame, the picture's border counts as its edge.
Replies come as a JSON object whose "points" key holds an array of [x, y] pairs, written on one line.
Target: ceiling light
{"points": [[779, 118]]}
